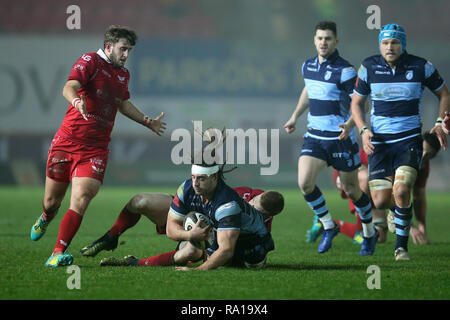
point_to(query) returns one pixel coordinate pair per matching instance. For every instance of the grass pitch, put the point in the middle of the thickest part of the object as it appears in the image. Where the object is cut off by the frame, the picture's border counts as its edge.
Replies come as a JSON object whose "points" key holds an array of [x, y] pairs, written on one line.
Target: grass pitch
{"points": [[294, 270]]}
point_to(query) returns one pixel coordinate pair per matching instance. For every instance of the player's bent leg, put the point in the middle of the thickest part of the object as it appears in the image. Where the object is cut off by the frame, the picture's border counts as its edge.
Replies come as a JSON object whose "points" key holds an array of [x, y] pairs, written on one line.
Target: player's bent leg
{"points": [[127, 261], [380, 222], [84, 189], [308, 169], [105, 242], [381, 193], [187, 252], [363, 206], [350, 184], [53, 195], [154, 206], [405, 177]]}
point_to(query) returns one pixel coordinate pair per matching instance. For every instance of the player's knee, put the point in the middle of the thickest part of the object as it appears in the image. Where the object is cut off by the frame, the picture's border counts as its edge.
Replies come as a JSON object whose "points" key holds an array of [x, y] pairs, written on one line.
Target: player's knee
{"points": [[138, 203], [381, 190], [51, 203], [405, 176], [187, 252], [306, 187]]}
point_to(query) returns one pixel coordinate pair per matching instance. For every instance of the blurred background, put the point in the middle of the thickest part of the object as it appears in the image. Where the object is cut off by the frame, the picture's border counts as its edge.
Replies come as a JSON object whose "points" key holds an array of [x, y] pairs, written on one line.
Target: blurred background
{"points": [[228, 63]]}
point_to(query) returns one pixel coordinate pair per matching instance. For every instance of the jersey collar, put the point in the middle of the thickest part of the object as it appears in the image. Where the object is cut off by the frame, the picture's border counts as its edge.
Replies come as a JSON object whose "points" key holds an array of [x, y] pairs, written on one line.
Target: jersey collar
{"points": [[331, 58], [102, 54]]}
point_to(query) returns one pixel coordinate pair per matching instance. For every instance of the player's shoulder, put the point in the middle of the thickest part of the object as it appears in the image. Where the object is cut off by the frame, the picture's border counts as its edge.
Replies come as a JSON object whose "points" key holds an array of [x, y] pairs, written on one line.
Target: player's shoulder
{"points": [[185, 190], [372, 60], [343, 63], [89, 56], [415, 60]]}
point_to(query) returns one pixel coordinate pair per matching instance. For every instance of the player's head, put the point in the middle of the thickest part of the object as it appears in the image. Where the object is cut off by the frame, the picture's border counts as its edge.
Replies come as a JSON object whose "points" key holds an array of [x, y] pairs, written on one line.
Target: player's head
{"points": [[325, 38], [392, 42], [205, 178], [431, 145], [269, 203], [118, 42]]}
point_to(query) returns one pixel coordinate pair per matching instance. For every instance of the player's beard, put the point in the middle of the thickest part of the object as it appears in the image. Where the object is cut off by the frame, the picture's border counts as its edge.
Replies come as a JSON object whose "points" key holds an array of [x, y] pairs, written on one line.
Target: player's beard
{"points": [[115, 61]]}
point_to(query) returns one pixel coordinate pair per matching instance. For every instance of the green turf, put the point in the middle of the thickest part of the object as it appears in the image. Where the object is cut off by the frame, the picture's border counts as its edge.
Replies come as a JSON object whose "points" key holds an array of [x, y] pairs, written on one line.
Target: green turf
{"points": [[294, 271]]}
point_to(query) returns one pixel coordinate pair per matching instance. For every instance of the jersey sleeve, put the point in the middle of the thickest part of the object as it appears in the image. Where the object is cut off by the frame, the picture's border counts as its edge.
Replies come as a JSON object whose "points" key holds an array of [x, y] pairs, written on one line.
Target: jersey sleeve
{"points": [[229, 216], [83, 69], [433, 80], [178, 209], [126, 95], [348, 79], [362, 87], [247, 193]]}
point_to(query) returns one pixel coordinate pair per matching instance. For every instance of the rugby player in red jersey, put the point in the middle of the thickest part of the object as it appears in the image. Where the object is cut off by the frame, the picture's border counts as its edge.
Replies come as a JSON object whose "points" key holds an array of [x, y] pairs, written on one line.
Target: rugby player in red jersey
{"points": [[155, 206], [96, 89]]}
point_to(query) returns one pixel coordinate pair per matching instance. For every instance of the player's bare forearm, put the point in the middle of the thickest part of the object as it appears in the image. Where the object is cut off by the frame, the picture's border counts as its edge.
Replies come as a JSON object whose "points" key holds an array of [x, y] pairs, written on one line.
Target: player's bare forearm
{"points": [[217, 259], [131, 111], [420, 205], [227, 242], [357, 107], [70, 90], [302, 106], [444, 101], [175, 229]]}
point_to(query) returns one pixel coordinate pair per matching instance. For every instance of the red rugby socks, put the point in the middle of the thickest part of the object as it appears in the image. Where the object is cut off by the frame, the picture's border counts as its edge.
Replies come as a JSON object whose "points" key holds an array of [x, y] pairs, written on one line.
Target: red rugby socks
{"points": [[67, 230], [125, 221]]}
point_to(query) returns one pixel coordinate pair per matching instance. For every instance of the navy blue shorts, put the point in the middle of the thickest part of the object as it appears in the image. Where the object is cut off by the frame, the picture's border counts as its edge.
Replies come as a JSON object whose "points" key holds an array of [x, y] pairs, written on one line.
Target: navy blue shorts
{"points": [[249, 249], [387, 157], [341, 155]]}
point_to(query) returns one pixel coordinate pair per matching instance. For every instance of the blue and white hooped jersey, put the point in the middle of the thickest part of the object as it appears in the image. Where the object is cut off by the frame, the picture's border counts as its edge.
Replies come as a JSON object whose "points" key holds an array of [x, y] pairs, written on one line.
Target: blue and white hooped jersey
{"points": [[226, 211], [330, 88], [396, 94]]}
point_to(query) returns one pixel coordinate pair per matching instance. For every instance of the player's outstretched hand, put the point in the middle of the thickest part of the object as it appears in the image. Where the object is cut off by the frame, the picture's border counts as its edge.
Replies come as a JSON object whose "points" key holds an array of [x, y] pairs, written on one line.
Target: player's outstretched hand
{"points": [[181, 268], [417, 236], [158, 126]]}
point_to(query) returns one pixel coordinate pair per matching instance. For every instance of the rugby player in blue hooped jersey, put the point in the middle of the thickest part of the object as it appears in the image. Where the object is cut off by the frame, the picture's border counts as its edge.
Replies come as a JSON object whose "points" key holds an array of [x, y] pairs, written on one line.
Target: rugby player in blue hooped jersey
{"points": [[240, 235], [330, 140], [395, 81]]}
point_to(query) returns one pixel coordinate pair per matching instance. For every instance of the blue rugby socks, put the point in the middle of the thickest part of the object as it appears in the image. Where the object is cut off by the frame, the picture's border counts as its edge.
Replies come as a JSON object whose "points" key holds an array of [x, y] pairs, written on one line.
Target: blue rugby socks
{"points": [[402, 222], [364, 208], [316, 202]]}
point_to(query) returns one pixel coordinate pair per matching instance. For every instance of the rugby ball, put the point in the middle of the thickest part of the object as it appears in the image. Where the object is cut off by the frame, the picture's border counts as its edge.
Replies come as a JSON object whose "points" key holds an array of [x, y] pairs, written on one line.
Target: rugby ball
{"points": [[190, 220]]}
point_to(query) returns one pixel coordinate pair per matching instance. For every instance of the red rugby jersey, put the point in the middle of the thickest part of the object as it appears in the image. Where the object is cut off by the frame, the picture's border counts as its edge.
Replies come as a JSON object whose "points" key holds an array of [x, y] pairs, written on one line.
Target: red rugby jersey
{"points": [[248, 194], [105, 88]]}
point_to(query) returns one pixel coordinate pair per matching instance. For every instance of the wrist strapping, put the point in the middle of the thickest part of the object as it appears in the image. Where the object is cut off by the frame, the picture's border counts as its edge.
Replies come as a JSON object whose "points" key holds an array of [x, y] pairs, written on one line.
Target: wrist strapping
{"points": [[147, 121], [363, 129], [76, 101]]}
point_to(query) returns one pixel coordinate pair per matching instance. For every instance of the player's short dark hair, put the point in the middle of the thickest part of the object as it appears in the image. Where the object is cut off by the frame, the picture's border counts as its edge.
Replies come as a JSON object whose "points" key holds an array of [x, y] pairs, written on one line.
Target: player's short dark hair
{"points": [[432, 140], [272, 202], [116, 32], [326, 25]]}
